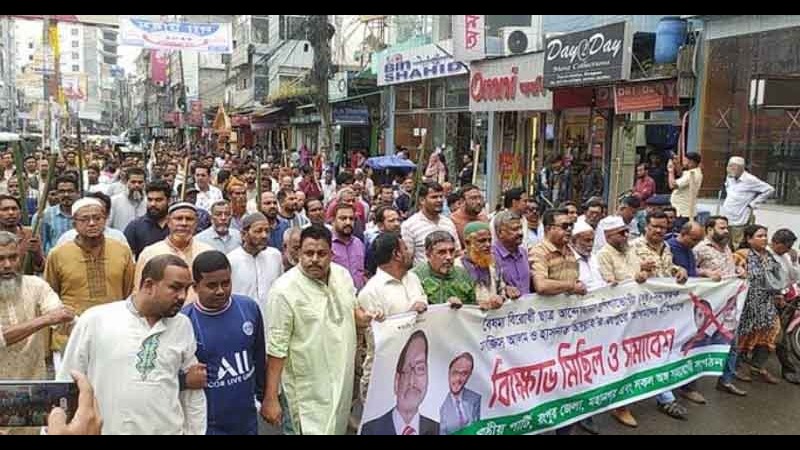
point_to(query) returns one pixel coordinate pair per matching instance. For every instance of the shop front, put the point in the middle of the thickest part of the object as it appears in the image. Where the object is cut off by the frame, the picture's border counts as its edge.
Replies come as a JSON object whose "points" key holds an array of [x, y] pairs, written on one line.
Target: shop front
{"points": [[510, 104], [305, 128], [604, 122], [750, 104], [430, 107]]}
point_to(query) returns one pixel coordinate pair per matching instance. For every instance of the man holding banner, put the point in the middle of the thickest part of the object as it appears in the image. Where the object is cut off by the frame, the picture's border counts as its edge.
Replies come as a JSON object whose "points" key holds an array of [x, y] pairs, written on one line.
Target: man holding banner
{"points": [[648, 256], [393, 290]]}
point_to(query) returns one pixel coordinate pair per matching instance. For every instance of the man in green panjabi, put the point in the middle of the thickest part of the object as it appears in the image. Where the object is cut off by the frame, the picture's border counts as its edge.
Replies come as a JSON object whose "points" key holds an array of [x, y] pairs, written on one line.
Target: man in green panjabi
{"points": [[441, 280]]}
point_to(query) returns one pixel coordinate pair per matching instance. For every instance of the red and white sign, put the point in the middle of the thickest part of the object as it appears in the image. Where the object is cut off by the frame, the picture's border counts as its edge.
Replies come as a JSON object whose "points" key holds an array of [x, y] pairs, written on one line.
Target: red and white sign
{"points": [[159, 60], [469, 37], [638, 97], [509, 84]]}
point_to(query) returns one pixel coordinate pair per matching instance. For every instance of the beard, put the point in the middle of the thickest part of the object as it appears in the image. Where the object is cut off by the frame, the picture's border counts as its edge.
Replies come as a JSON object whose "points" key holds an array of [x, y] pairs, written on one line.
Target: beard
{"points": [[135, 195], [479, 258], [721, 239], [9, 288], [156, 213]]}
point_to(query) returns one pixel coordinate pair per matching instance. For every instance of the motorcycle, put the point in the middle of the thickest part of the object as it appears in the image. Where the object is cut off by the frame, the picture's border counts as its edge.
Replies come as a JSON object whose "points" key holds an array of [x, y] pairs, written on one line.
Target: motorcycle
{"points": [[788, 347]]}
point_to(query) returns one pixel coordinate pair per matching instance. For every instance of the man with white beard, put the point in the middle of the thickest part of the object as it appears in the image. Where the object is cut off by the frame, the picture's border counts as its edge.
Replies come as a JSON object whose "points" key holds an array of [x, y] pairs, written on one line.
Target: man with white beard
{"points": [[127, 206], [28, 306]]}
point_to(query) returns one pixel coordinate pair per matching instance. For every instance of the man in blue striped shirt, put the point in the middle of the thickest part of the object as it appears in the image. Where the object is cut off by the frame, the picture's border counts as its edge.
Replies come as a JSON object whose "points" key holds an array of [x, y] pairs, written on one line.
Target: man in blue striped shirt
{"points": [[57, 220]]}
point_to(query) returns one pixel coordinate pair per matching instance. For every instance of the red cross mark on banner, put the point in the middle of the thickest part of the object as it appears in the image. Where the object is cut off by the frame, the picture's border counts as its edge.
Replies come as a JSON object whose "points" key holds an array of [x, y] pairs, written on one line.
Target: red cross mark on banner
{"points": [[709, 318], [794, 118], [723, 118]]}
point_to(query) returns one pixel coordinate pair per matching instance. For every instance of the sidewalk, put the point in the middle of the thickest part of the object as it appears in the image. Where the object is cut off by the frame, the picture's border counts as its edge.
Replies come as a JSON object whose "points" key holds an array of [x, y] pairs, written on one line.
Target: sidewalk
{"points": [[772, 216]]}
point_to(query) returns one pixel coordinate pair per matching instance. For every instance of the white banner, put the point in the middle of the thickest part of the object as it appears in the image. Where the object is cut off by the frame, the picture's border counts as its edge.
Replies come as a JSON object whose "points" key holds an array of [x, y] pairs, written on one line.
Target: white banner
{"points": [[469, 37], [202, 37], [542, 363], [191, 74], [419, 63], [509, 84]]}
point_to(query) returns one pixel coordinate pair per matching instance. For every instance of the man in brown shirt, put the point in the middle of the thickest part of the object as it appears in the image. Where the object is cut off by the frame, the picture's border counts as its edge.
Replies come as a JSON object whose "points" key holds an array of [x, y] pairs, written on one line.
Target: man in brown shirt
{"points": [[554, 267], [10, 215], [471, 209], [555, 271]]}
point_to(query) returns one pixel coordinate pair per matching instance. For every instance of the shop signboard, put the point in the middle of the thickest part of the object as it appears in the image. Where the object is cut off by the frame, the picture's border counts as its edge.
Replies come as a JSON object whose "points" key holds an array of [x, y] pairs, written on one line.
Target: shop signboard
{"points": [[305, 120], [598, 55], [509, 84], [337, 87], [419, 63], [637, 97], [350, 115], [469, 37]]}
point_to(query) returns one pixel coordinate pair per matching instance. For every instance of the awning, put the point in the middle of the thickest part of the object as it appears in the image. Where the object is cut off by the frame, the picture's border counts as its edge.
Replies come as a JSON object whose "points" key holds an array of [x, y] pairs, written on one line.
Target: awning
{"points": [[266, 111], [356, 97]]}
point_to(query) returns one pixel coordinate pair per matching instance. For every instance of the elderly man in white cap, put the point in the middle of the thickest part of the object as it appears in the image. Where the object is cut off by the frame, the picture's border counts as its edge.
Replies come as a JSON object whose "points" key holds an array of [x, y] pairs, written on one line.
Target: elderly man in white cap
{"points": [[182, 223], [618, 261], [88, 270], [581, 243], [745, 192]]}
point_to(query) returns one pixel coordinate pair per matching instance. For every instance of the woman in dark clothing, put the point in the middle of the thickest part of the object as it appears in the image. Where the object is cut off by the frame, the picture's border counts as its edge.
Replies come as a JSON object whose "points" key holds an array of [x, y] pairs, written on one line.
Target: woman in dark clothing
{"points": [[759, 325]]}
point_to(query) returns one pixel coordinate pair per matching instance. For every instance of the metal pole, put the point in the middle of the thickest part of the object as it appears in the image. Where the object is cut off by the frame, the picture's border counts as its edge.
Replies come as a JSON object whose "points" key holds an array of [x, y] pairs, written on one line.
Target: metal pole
{"points": [[46, 81]]}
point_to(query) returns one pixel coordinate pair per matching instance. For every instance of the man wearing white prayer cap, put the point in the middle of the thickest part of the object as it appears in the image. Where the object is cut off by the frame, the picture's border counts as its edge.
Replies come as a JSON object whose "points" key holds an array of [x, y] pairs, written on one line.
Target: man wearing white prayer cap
{"points": [[182, 224], [581, 244], [88, 270], [745, 192]]}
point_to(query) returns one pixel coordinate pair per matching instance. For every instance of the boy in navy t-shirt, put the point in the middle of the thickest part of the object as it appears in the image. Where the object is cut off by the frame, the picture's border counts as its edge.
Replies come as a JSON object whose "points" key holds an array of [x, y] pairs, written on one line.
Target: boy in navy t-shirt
{"points": [[229, 330]]}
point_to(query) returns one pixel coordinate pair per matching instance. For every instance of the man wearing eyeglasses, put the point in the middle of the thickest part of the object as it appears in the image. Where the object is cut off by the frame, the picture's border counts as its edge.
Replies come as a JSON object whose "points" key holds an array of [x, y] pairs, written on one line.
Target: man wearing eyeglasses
{"points": [[554, 267], [553, 264], [410, 387], [89, 270]]}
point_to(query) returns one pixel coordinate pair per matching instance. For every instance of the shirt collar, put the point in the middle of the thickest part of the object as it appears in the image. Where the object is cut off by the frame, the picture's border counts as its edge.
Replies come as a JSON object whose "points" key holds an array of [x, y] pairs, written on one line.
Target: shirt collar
{"points": [[400, 424], [503, 251], [339, 238]]}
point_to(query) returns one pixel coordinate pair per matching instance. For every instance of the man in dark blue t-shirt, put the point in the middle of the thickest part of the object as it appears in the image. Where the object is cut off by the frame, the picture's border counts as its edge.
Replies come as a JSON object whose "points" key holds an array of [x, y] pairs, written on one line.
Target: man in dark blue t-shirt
{"points": [[229, 330], [691, 234]]}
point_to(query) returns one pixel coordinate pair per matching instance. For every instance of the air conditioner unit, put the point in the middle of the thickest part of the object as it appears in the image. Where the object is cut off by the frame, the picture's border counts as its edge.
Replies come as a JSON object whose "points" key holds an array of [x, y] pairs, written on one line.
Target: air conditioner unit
{"points": [[520, 40]]}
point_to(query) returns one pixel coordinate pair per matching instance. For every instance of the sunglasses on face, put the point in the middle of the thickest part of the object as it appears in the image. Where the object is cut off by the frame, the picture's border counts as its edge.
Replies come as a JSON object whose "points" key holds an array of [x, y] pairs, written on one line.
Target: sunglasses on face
{"points": [[566, 226]]}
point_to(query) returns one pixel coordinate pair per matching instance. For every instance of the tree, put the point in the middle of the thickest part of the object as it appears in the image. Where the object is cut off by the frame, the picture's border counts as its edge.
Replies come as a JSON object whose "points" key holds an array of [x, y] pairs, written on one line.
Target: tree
{"points": [[320, 32]]}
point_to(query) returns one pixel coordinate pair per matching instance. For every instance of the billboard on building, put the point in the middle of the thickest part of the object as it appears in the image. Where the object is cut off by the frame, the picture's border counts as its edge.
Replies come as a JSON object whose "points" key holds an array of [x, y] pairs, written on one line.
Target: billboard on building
{"points": [[509, 84], [595, 56], [419, 63], [469, 37], [75, 86], [203, 37]]}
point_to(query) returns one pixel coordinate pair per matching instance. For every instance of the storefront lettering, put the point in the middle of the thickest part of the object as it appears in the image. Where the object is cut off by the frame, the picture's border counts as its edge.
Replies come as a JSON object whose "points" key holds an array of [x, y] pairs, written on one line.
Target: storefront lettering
{"points": [[594, 44], [402, 71], [504, 87]]}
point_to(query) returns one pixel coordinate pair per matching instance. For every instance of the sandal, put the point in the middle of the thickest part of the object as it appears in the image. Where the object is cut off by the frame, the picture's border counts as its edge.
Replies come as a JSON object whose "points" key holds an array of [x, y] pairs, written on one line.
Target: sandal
{"points": [[674, 410], [764, 375]]}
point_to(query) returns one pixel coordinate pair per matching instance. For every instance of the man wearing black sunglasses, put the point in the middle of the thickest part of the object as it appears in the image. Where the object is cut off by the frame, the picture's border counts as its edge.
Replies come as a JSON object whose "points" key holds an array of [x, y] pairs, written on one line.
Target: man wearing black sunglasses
{"points": [[553, 264]]}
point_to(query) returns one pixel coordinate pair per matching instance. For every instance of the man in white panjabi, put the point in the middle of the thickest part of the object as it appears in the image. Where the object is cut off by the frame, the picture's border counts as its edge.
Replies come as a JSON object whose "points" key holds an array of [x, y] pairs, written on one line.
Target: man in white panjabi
{"points": [[133, 351], [28, 307], [255, 267]]}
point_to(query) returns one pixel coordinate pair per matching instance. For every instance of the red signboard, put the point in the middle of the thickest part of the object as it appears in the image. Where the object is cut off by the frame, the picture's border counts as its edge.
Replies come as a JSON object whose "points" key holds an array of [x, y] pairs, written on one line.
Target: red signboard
{"points": [[637, 97], [240, 121], [196, 113], [159, 61]]}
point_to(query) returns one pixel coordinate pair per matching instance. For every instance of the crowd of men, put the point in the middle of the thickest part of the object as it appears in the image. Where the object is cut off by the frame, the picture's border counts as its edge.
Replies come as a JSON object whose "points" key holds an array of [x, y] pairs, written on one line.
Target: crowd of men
{"points": [[190, 296]]}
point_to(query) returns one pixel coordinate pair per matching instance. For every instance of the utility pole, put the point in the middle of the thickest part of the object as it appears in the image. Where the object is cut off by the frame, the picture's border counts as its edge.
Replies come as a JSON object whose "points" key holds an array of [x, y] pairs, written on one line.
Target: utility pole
{"points": [[320, 32], [46, 82]]}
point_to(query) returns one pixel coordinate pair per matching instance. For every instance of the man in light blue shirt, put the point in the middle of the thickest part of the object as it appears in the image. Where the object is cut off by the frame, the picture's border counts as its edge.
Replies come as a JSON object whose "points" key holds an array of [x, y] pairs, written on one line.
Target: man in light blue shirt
{"points": [[218, 235]]}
